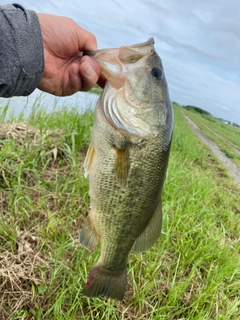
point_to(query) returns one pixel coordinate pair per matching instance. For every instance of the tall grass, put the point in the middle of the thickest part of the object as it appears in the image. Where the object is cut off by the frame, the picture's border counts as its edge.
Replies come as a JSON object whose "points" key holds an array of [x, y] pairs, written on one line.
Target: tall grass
{"points": [[193, 272]]}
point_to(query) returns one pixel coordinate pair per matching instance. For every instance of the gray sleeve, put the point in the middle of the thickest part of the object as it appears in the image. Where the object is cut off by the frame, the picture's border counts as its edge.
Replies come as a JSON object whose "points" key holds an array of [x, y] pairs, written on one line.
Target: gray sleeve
{"points": [[21, 51]]}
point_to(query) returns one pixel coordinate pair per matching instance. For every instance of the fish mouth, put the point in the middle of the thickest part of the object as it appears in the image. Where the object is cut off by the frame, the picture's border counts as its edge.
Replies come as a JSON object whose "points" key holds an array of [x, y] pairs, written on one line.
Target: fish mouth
{"points": [[117, 62]]}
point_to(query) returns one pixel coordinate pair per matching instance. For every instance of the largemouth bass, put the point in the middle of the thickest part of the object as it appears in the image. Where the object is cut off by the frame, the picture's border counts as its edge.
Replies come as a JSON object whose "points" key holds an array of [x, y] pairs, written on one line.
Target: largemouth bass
{"points": [[126, 163]]}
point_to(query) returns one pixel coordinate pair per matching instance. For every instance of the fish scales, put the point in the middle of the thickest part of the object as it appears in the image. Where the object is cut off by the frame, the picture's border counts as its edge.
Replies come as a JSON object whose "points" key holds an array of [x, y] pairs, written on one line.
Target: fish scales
{"points": [[126, 163]]}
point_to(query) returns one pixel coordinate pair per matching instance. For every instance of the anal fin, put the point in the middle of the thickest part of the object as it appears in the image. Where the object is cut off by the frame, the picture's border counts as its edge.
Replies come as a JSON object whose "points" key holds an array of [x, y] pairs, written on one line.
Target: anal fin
{"points": [[122, 165], [88, 236], [152, 232]]}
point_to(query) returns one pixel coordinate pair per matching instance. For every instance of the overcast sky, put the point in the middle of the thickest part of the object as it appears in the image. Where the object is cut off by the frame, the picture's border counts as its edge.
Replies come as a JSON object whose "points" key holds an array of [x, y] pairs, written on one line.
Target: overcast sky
{"points": [[198, 41]]}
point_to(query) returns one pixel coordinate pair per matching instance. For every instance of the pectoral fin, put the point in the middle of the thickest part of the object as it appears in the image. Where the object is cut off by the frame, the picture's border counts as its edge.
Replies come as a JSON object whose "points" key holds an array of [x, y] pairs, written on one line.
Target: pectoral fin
{"points": [[152, 232], [88, 160], [122, 165], [88, 236]]}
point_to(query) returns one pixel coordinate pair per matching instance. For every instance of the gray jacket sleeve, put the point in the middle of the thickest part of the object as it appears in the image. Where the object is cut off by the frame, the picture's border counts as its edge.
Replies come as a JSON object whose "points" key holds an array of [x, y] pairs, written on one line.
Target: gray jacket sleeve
{"points": [[21, 51]]}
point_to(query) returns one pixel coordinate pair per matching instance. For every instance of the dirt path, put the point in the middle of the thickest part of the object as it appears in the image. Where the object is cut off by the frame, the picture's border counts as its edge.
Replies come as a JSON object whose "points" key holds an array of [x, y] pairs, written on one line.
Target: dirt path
{"points": [[222, 138], [233, 169]]}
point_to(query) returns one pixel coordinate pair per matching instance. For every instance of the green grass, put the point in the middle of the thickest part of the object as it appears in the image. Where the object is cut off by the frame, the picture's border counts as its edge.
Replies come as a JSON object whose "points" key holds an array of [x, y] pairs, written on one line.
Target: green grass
{"points": [[193, 272]]}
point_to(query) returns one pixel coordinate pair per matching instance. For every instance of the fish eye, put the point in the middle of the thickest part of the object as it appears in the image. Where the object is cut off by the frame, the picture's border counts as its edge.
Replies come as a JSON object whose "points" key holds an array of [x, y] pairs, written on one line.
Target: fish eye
{"points": [[157, 73]]}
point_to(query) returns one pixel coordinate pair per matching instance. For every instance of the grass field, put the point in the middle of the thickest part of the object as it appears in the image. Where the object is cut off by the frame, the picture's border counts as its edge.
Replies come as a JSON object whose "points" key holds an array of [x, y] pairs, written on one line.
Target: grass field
{"points": [[193, 272]]}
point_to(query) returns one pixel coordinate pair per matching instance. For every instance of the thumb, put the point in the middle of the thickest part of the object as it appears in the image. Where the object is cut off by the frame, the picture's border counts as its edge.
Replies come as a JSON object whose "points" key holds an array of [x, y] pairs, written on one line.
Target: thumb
{"points": [[86, 40]]}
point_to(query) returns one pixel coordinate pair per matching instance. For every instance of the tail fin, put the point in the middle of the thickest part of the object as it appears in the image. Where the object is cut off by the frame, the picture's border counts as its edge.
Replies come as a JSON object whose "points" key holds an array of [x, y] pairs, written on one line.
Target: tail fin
{"points": [[101, 282]]}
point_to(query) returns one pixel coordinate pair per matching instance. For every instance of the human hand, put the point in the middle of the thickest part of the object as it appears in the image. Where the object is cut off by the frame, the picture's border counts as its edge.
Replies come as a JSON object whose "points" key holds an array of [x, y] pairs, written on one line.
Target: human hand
{"points": [[65, 70]]}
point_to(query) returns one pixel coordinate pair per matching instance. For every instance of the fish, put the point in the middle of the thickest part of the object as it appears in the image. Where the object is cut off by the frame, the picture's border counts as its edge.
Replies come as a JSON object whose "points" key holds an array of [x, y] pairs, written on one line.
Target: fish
{"points": [[126, 163]]}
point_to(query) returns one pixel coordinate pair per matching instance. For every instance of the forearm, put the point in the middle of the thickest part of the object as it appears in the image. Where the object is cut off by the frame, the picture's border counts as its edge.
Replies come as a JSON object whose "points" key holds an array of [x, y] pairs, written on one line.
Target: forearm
{"points": [[21, 51]]}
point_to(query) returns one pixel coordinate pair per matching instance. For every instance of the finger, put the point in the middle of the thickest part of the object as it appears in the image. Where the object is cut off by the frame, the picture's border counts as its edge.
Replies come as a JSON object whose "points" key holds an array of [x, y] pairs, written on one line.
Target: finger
{"points": [[90, 73]]}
